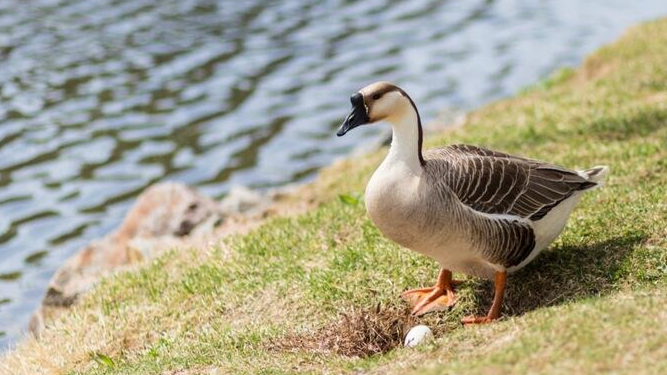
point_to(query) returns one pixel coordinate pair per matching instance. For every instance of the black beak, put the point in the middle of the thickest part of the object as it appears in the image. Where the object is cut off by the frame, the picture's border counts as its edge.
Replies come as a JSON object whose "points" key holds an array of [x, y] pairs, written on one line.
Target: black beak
{"points": [[357, 116]]}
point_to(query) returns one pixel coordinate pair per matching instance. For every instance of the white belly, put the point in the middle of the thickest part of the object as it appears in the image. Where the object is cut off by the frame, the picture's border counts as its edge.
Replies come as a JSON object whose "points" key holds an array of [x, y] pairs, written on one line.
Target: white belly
{"points": [[460, 256]]}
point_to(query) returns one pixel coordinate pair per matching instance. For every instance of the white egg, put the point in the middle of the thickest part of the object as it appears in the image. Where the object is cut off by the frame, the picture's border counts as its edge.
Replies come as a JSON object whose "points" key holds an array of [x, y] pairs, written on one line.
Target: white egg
{"points": [[417, 335]]}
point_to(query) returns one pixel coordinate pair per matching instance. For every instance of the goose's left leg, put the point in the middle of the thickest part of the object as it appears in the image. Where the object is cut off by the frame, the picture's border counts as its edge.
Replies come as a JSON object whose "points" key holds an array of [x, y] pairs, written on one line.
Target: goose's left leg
{"points": [[494, 312], [437, 298]]}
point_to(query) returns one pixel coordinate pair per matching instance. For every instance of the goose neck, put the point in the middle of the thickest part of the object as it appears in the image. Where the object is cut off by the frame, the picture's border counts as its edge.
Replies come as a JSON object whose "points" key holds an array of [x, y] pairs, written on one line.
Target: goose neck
{"points": [[406, 143]]}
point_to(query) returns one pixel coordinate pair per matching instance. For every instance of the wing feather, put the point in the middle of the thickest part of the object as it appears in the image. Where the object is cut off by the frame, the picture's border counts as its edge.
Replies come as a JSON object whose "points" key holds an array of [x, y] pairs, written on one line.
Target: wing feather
{"points": [[494, 182]]}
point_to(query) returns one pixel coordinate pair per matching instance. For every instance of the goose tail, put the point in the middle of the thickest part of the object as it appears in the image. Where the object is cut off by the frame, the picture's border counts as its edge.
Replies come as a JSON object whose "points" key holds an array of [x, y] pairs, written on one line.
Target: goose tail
{"points": [[596, 174]]}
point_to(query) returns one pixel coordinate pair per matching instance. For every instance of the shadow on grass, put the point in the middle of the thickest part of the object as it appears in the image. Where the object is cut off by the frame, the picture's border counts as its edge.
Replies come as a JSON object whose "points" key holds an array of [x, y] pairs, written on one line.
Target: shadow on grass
{"points": [[562, 274]]}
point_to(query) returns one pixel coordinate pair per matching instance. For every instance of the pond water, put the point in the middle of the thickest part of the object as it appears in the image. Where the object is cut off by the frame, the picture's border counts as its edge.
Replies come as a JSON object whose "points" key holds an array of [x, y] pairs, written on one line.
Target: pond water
{"points": [[101, 98]]}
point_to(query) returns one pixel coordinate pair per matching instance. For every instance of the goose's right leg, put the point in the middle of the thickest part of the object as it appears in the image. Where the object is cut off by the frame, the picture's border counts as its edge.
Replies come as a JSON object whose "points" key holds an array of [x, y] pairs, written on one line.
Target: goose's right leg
{"points": [[437, 298], [494, 312]]}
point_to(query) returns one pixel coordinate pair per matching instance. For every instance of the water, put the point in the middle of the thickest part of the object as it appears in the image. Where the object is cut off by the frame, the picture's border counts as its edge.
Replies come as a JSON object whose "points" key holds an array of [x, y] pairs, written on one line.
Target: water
{"points": [[101, 98]]}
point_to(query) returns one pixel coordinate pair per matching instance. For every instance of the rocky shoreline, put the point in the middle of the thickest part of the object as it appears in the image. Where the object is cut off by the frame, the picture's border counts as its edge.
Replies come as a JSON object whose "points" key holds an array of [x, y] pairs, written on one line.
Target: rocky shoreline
{"points": [[164, 216]]}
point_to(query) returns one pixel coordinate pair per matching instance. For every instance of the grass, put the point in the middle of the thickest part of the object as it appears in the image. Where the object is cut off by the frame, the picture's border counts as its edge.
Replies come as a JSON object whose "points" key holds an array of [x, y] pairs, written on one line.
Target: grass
{"points": [[318, 292]]}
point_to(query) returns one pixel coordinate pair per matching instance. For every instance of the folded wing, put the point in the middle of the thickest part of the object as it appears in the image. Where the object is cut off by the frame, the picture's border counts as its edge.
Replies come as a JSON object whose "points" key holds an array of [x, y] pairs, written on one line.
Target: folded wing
{"points": [[497, 183]]}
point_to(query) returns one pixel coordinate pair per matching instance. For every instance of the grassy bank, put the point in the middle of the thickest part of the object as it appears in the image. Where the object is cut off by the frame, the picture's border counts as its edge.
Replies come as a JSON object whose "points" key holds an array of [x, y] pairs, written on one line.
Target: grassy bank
{"points": [[319, 292]]}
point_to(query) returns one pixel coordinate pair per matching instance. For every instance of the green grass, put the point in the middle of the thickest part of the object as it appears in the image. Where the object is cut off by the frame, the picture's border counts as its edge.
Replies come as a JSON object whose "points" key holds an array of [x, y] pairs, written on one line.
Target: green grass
{"points": [[593, 302]]}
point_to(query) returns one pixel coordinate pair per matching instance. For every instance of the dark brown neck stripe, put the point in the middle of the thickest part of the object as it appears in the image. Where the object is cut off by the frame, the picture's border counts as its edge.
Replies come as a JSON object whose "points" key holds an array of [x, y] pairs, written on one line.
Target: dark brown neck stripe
{"points": [[419, 129]]}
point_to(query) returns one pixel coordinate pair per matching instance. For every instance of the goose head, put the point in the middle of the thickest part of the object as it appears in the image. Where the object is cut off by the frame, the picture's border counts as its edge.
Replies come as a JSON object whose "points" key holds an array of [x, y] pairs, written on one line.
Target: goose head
{"points": [[379, 101], [383, 101]]}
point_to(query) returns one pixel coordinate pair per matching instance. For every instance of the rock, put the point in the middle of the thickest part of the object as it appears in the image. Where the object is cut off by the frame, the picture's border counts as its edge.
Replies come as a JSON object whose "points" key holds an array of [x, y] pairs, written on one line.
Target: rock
{"points": [[168, 210], [242, 200]]}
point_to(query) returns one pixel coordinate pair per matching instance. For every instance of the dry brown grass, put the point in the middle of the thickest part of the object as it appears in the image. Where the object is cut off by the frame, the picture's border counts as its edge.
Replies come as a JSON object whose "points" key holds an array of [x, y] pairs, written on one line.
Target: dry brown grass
{"points": [[356, 334]]}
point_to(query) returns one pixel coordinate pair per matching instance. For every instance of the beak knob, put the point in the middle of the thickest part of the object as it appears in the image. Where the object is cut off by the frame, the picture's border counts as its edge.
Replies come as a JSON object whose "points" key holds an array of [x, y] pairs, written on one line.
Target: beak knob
{"points": [[358, 115]]}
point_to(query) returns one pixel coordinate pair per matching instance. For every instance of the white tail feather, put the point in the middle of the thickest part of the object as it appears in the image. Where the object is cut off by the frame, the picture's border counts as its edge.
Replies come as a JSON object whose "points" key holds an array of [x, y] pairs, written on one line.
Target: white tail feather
{"points": [[596, 174]]}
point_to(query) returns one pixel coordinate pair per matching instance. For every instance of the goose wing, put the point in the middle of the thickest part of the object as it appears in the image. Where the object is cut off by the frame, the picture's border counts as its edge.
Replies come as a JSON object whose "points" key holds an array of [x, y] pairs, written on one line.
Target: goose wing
{"points": [[493, 182]]}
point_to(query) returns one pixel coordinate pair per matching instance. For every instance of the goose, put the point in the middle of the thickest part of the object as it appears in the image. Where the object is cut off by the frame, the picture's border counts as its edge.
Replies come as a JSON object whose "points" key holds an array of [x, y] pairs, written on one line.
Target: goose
{"points": [[473, 210]]}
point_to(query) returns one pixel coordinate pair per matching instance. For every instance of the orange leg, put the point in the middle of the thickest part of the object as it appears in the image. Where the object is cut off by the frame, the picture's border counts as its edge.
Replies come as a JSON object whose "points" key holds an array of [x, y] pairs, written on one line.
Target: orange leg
{"points": [[437, 298], [494, 312]]}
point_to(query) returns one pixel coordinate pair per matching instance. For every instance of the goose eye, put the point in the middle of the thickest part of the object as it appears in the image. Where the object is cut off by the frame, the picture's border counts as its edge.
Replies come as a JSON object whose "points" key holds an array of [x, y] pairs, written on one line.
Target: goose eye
{"points": [[376, 96]]}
